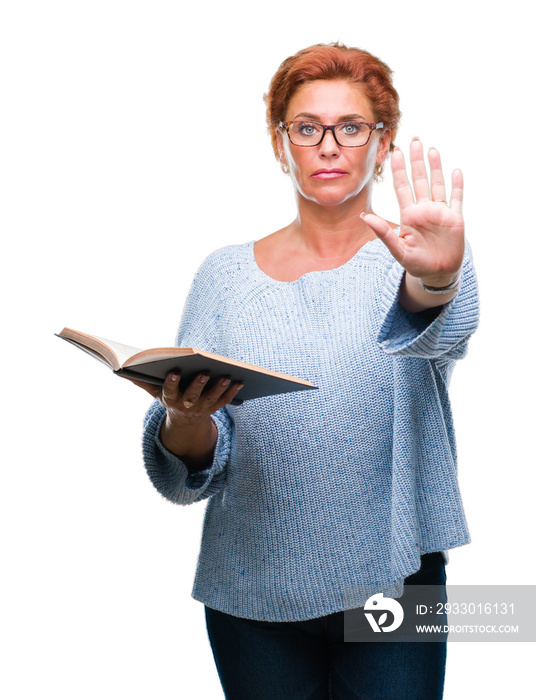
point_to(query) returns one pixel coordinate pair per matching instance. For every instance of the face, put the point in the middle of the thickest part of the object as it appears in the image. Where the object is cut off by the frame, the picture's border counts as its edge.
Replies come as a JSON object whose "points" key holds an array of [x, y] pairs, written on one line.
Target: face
{"points": [[349, 170]]}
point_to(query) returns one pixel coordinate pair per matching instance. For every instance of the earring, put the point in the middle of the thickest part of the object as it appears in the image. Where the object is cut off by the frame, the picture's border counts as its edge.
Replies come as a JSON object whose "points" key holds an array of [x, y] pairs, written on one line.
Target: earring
{"points": [[282, 163]]}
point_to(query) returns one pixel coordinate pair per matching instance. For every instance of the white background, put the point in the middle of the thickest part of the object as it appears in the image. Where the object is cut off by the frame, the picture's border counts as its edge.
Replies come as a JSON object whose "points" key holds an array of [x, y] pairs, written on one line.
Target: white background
{"points": [[111, 197]]}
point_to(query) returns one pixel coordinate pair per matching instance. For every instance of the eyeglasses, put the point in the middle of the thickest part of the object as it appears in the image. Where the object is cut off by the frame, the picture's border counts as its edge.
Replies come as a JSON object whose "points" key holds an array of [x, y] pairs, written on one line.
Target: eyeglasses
{"points": [[346, 134]]}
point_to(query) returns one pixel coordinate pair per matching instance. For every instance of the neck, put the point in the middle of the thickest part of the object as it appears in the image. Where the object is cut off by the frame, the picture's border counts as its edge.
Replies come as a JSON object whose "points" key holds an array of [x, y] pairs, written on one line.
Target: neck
{"points": [[332, 232]]}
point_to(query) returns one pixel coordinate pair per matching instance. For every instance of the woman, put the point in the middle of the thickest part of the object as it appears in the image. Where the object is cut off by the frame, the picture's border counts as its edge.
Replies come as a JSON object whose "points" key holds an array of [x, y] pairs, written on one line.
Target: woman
{"points": [[319, 500]]}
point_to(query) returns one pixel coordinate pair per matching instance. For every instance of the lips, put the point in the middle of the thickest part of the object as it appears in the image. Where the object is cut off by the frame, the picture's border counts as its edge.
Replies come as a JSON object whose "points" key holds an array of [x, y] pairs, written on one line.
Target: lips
{"points": [[325, 174]]}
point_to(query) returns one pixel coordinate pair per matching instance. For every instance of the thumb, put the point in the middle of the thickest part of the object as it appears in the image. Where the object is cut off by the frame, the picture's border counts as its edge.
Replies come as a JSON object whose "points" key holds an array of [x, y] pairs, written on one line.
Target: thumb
{"points": [[384, 232], [152, 389]]}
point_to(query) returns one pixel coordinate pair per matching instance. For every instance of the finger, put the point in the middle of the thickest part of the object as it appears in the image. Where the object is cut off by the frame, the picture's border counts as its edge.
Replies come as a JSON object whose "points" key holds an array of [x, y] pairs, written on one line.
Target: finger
{"points": [[437, 182], [418, 171], [191, 394], [403, 190], [456, 198], [214, 394], [384, 232], [210, 397], [227, 396], [170, 388]]}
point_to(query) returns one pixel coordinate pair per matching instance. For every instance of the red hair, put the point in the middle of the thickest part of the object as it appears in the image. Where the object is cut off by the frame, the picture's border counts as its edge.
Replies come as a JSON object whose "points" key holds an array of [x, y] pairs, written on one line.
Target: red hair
{"points": [[333, 62]]}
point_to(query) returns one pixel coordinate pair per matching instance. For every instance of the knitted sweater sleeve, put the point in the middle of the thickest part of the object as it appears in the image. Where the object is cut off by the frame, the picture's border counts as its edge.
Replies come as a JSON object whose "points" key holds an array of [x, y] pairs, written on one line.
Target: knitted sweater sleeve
{"points": [[435, 334], [168, 473]]}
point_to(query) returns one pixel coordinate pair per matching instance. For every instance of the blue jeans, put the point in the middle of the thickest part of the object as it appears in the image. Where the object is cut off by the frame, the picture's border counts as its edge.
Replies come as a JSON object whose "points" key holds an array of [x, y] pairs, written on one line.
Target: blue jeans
{"points": [[309, 660]]}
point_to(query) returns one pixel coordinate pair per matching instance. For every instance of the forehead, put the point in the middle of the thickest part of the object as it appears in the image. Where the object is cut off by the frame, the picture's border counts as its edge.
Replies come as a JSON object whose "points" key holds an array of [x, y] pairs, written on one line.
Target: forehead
{"points": [[329, 100]]}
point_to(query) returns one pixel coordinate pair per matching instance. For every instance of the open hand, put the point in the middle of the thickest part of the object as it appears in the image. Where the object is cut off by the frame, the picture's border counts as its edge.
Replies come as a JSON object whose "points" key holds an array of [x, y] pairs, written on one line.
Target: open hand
{"points": [[431, 241]]}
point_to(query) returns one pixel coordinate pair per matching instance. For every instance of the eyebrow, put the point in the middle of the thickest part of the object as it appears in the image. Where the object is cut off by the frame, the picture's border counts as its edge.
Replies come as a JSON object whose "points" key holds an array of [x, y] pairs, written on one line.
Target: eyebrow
{"points": [[316, 118]]}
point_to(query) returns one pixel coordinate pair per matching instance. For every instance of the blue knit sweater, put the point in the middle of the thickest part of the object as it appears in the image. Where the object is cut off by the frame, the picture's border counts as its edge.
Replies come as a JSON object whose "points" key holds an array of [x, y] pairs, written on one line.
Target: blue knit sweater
{"points": [[318, 499]]}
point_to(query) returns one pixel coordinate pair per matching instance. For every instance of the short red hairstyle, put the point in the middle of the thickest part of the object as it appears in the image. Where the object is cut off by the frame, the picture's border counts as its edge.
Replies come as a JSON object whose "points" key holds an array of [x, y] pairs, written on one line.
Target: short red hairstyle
{"points": [[333, 62]]}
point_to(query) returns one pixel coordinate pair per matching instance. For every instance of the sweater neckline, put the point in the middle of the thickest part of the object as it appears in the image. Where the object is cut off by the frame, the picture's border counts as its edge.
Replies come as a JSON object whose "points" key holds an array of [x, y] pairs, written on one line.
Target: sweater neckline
{"points": [[324, 273]]}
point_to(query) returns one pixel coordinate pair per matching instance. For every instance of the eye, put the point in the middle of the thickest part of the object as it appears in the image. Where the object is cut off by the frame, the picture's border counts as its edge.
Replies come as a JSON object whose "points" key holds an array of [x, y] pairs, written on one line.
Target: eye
{"points": [[307, 128], [351, 128]]}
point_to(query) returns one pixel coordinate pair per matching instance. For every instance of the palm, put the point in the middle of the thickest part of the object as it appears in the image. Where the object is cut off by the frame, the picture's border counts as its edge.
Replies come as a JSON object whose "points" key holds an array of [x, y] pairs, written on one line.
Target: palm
{"points": [[431, 238]]}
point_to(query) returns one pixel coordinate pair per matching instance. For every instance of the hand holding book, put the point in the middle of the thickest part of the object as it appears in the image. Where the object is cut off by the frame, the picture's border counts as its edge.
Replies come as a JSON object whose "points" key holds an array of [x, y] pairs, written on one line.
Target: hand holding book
{"points": [[188, 431], [192, 385]]}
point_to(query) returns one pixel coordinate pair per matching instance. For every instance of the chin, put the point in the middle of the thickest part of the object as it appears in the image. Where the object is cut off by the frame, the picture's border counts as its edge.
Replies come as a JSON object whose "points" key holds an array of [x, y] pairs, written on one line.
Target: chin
{"points": [[331, 196], [334, 192]]}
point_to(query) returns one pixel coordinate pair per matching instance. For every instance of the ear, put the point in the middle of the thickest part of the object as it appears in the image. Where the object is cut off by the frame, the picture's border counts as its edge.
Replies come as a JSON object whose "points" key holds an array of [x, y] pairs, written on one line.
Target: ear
{"points": [[383, 146], [281, 149]]}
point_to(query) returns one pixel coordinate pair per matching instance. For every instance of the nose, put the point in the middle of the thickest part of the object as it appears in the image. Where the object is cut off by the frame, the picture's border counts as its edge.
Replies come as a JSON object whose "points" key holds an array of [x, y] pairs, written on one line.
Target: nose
{"points": [[328, 146]]}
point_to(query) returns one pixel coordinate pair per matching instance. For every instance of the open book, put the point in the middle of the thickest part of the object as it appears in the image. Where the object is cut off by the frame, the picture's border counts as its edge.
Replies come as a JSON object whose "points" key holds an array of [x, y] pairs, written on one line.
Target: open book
{"points": [[153, 365]]}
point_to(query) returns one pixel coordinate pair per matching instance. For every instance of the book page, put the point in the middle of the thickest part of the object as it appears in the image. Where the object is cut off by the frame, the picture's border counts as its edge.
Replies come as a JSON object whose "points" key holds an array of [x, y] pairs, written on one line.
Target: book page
{"points": [[122, 352]]}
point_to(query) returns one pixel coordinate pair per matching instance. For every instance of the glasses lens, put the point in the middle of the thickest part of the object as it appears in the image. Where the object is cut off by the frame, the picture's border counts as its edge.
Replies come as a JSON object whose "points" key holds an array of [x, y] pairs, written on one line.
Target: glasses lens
{"points": [[305, 133], [352, 133]]}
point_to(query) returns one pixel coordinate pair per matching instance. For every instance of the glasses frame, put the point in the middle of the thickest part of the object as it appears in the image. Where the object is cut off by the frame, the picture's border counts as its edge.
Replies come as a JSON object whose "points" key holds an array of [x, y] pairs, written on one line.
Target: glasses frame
{"points": [[325, 127]]}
